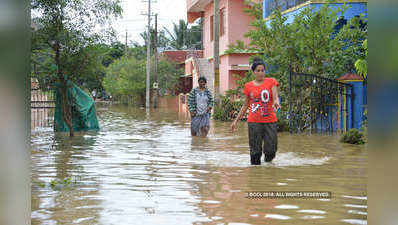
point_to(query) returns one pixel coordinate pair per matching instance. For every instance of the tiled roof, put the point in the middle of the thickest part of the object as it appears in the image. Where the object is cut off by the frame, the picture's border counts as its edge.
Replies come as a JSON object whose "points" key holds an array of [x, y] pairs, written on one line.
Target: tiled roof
{"points": [[179, 56], [350, 76]]}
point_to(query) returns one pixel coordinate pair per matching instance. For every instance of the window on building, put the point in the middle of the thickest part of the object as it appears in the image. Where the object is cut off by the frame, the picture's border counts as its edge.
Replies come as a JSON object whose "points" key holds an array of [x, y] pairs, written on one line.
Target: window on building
{"points": [[222, 21], [211, 27]]}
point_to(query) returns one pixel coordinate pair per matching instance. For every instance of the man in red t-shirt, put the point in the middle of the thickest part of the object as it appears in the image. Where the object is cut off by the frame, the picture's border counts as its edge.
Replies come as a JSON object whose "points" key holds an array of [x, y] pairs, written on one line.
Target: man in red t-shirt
{"points": [[261, 98]]}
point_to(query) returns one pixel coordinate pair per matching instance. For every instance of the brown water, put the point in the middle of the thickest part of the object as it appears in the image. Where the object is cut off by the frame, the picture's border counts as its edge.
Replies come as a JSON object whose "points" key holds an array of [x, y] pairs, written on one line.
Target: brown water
{"points": [[143, 169]]}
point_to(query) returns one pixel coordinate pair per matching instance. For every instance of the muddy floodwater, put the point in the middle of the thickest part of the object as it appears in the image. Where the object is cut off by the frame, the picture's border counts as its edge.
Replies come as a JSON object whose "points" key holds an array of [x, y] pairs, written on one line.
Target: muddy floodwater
{"points": [[147, 169]]}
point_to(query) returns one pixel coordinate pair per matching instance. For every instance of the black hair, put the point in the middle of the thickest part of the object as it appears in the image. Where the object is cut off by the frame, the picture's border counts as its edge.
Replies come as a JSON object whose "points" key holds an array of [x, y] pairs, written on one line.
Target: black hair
{"points": [[202, 78], [257, 62]]}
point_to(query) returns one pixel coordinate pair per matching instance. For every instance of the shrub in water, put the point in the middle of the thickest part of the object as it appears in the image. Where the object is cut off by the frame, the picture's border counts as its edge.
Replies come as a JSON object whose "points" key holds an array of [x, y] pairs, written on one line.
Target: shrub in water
{"points": [[227, 110], [283, 125], [353, 136]]}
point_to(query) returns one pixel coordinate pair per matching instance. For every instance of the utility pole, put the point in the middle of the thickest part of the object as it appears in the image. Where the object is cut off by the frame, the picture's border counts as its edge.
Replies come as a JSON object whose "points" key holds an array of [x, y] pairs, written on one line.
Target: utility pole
{"points": [[216, 48], [148, 57], [155, 84], [125, 48]]}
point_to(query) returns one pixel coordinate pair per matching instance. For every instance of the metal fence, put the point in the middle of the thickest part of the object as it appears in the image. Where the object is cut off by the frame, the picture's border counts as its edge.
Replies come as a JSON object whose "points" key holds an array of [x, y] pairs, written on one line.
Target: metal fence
{"points": [[319, 104]]}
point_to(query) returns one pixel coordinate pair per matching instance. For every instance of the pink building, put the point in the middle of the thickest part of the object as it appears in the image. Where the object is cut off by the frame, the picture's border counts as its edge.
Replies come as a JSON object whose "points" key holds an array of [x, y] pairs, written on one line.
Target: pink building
{"points": [[234, 23]]}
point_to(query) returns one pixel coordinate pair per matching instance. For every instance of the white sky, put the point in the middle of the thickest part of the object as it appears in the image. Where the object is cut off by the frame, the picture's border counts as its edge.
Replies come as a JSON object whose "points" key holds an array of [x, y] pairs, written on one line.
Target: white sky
{"points": [[168, 11]]}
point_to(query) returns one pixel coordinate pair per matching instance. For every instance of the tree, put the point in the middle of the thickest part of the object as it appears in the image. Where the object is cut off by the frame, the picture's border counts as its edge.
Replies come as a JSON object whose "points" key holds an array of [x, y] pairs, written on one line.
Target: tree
{"points": [[361, 64], [137, 51], [115, 51], [163, 41], [183, 37], [126, 78], [65, 29], [168, 74], [312, 43]]}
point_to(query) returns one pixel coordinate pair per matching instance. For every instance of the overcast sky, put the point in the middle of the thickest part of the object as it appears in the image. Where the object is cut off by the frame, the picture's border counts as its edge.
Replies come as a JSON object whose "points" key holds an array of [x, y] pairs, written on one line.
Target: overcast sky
{"points": [[168, 11]]}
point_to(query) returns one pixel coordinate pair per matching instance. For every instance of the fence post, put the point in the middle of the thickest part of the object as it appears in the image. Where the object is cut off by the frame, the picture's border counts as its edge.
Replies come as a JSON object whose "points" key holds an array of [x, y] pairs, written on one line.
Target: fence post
{"points": [[290, 100], [357, 91]]}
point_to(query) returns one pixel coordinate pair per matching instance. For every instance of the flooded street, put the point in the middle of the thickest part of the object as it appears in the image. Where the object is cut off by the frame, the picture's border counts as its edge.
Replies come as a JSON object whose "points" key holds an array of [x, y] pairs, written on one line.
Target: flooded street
{"points": [[141, 169]]}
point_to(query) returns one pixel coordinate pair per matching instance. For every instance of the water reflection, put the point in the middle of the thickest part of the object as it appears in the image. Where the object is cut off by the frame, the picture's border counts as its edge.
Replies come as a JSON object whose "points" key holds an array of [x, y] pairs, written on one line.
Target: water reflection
{"points": [[77, 202], [149, 169]]}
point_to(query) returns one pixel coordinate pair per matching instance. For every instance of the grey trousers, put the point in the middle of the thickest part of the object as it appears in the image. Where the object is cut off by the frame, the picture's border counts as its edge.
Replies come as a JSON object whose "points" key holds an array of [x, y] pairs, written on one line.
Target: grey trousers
{"points": [[263, 138]]}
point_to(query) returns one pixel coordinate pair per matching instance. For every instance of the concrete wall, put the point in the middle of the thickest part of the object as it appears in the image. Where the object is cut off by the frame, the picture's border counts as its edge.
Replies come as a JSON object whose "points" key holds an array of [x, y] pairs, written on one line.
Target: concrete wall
{"points": [[224, 73], [188, 67], [207, 42], [237, 24], [170, 102], [355, 9]]}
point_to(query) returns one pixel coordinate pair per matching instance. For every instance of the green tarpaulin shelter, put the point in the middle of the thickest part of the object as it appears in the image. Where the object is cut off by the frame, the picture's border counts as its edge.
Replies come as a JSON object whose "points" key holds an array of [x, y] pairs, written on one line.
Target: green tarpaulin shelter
{"points": [[84, 116]]}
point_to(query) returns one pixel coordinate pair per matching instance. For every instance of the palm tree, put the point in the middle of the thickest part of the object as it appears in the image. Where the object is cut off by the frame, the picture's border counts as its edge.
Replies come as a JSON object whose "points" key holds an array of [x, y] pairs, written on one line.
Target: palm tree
{"points": [[183, 37], [163, 41]]}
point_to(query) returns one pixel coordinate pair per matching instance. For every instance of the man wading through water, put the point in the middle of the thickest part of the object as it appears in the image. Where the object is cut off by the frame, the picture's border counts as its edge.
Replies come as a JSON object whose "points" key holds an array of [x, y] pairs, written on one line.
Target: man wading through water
{"points": [[261, 97], [200, 103]]}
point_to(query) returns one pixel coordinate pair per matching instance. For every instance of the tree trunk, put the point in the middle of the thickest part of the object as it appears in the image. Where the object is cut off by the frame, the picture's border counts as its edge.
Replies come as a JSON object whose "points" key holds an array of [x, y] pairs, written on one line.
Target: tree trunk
{"points": [[66, 104]]}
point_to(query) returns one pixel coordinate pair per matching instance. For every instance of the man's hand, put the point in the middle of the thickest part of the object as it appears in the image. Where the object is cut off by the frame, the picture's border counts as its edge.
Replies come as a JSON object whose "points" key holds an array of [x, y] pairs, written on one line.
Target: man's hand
{"points": [[192, 114], [208, 109]]}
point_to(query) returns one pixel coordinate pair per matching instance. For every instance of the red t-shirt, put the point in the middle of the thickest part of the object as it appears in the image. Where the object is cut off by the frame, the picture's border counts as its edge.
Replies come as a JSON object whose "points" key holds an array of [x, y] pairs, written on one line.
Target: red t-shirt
{"points": [[260, 103]]}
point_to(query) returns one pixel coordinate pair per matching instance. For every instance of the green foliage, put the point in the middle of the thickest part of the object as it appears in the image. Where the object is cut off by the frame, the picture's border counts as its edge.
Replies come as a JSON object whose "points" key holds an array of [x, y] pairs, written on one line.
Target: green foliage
{"points": [[57, 184], [240, 82], [227, 110], [66, 181], [184, 37], [65, 31], [283, 123], [365, 126], [353, 136], [168, 74], [125, 77], [43, 68], [361, 64], [309, 44], [163, 40], [64, 42], [114, 51]]}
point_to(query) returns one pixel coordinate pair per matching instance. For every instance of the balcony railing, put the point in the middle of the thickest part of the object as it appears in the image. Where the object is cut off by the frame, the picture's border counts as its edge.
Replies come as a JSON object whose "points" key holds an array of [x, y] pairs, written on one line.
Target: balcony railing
{"points": [[271, 5]]}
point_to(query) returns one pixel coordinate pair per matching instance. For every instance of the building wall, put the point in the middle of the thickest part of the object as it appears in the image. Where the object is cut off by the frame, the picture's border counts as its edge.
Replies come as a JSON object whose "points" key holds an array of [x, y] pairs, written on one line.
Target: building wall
{"points": [[238, 22], [355, 9], [232, 79], [188, 67], [239, 59], [236, 25], [224, 73], [207, 42]]}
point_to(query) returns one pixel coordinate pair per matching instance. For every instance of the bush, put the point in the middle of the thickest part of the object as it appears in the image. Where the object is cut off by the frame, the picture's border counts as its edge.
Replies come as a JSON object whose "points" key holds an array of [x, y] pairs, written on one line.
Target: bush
{"points": [[353, 136], [365, 126], [227, 110], [283, 125]]}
